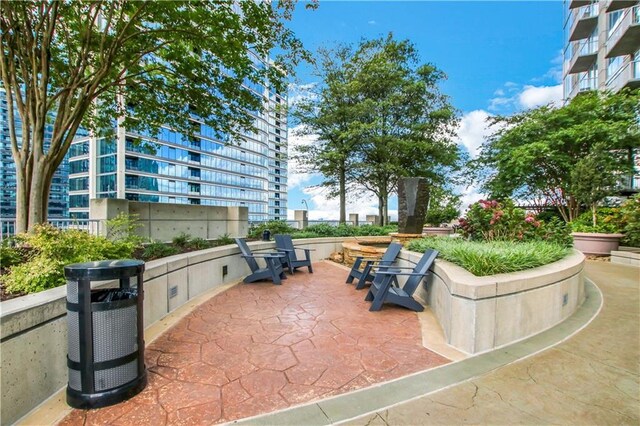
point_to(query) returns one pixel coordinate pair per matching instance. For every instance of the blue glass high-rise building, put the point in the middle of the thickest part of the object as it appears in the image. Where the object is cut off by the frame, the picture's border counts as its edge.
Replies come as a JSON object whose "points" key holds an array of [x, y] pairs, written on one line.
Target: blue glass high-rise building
{"points": [[170, 167], [59, 194]]}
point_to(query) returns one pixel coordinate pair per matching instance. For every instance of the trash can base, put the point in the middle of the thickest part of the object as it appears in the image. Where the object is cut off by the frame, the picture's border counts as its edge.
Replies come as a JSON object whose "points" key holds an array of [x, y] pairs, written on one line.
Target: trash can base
{"points": [[77, 399]]}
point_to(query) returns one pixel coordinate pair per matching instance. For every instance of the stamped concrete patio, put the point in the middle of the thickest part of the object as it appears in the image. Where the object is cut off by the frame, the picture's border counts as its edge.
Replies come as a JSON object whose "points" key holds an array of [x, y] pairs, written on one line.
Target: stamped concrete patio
{"points": [[258, 348]]}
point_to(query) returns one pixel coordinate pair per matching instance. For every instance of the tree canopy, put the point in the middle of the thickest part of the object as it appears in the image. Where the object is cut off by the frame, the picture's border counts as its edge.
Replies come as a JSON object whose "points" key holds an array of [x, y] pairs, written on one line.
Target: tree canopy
{"points": [[392, 120], [539, 153], [145, 62]]}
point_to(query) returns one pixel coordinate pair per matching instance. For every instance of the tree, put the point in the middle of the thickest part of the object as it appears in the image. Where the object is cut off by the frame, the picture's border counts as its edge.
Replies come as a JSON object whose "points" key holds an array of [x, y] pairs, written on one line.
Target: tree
{"points": [[535, 153], [594, 178], [147, 63], [444, 206], [328, 113], [405, 125]]}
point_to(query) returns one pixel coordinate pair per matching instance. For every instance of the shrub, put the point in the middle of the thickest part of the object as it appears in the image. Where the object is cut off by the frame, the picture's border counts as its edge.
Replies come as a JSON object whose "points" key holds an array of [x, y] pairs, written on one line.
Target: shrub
{"points": [[274, 226], [630, 221], [496, 221], [198, 244], [50, 249], [607, 221], [181, 240], [555, 231], [494, 257], [225, 239], [344, 230], [157, 250], [9, 254]]}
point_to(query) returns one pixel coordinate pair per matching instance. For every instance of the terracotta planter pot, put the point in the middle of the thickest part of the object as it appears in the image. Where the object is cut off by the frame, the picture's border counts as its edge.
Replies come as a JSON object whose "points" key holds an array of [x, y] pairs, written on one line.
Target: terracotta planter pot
{"points": [[436, 230], [595, 243]]}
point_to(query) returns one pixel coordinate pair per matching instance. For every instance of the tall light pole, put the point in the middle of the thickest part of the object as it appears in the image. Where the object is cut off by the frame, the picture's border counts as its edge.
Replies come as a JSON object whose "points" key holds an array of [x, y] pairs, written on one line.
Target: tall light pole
{"points": [[305, 204]]}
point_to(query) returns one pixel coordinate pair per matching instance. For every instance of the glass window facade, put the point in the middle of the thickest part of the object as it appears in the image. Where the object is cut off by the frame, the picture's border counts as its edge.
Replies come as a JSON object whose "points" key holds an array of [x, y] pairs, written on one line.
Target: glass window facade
{"points": [[59, 193]]}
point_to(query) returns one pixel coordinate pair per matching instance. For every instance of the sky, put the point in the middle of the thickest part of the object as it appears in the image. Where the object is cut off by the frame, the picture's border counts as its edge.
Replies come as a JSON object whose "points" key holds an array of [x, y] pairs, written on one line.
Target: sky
{"points": [[499, 57]]}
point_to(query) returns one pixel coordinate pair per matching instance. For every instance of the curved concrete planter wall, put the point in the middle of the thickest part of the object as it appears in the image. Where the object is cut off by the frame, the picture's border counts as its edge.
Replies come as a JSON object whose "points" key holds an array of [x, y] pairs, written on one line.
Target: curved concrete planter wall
{"points": [[478, 314], [596, 243], [34, 327]]}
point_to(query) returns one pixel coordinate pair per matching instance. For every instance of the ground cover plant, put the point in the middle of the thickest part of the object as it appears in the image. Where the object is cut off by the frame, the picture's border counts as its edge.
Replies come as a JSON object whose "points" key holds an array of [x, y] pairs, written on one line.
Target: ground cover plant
{"points": [[492, 257]]}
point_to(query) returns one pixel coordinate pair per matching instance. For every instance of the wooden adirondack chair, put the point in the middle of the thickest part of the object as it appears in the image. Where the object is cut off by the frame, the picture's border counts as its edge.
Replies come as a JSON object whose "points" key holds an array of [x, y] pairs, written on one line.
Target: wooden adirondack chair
{"points": [[284, 244], [382, 291], [273, 269], [366, 274]]}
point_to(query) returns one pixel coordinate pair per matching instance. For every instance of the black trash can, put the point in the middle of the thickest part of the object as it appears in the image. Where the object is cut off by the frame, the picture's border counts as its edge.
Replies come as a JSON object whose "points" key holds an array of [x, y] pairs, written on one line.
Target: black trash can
{"points": [[106, 333]]}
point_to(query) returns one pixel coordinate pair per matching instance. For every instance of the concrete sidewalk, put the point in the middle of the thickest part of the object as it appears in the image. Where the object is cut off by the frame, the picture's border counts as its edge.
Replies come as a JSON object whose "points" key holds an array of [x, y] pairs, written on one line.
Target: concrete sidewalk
{"points": [[592, 378]]}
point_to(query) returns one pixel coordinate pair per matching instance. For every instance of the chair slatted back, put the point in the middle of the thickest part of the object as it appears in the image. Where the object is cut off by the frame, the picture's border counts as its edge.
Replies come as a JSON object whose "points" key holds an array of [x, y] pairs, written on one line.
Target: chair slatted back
{"points": [[421, 268], [392, 252], [284, 241], [244, 249]]}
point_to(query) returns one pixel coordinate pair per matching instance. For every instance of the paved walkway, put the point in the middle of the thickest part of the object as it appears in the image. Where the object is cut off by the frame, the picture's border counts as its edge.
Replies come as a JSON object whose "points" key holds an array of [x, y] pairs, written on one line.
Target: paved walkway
{"points": [[257, 348], [590, 379]]}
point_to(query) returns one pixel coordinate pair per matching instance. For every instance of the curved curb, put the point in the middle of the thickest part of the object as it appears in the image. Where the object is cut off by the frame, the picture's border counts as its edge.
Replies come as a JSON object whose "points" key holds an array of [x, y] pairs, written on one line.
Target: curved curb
{"points": [[381, 396]]}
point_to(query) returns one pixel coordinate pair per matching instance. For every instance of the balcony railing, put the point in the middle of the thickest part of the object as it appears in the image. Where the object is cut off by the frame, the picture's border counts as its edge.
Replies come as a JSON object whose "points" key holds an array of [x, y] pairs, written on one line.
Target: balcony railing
{"points": [[584, 55], [584, 84], [627, 75], [584, 20], [625, 36]]}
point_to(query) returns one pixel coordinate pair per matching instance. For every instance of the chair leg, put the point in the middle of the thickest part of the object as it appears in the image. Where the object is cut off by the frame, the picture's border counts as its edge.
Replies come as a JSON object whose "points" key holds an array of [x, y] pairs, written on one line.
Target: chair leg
{"points": [[354, 268], [381, 294]]}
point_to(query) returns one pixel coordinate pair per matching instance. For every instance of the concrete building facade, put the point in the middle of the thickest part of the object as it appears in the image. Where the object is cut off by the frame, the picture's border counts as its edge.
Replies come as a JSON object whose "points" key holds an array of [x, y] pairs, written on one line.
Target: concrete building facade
{"points": [[602, 52]]}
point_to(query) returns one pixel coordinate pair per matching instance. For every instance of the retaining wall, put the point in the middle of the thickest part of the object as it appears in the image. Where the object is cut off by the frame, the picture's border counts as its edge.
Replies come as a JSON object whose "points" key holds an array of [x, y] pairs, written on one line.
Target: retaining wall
{"points": [[478, 314]]}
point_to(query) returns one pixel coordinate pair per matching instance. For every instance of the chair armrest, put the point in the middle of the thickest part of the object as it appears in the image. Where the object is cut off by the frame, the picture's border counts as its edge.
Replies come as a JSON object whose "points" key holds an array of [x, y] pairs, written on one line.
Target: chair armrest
{"points": [[284, 249], [392, 272], [271, 255]]}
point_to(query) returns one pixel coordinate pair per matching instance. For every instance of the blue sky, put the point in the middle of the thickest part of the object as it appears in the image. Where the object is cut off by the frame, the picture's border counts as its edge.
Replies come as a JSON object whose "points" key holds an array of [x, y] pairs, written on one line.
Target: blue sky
{"points": [[499, 57]]}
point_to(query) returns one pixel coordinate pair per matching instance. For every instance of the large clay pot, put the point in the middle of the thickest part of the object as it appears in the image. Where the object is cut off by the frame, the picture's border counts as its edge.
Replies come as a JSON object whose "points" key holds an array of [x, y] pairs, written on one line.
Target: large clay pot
{"points": [[596, 243]]}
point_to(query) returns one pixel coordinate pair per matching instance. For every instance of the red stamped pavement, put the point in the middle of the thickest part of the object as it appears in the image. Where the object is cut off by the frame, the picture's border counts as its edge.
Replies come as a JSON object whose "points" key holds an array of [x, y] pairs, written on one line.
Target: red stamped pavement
{"points": [[259, 347]]}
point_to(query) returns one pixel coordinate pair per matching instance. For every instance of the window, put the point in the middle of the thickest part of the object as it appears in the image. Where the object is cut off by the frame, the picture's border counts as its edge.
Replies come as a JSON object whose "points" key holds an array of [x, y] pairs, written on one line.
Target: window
{"points": [[194, 201]]}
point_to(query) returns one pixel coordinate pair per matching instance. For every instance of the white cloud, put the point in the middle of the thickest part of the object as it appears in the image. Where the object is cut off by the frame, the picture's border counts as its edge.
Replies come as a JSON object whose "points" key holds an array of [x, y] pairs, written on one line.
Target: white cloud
{"points": [[323, 208], [296, 177], [372, 22], [298, 92], [532, 96], [473, 130]]}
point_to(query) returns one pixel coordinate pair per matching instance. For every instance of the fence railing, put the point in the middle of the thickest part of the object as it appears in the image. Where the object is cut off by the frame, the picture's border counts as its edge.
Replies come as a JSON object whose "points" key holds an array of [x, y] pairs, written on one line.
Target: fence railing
{"points": [[8, 225]]}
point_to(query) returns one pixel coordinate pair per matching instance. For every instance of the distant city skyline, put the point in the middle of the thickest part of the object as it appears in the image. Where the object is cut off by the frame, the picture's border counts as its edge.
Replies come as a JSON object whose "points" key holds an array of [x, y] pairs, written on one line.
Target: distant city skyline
{"points": [[499, 57]]}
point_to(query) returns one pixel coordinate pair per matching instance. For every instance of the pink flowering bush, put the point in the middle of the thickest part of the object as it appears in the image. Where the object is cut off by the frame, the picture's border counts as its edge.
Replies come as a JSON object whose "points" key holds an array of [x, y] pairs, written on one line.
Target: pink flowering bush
{"points": [[493, 220]]}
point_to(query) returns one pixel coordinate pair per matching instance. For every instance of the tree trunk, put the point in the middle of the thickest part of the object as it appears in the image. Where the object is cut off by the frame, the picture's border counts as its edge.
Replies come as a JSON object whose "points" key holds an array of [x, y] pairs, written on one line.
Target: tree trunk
{"points": [[22, 199], [380, 210], [38, 195], [343, 196], [594, 214]]}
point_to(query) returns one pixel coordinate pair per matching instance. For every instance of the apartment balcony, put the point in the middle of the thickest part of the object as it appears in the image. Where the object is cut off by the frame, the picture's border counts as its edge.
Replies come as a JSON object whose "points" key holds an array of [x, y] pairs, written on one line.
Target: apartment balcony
{"points": [[625, 39], [584, 56], [613, 5], [585, 20], [584, 84], [627, 76]]}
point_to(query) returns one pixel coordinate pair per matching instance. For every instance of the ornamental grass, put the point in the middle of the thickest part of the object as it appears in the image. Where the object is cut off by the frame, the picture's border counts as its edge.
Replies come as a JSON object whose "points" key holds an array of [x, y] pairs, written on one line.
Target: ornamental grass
{"points": [[492, 257]]}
